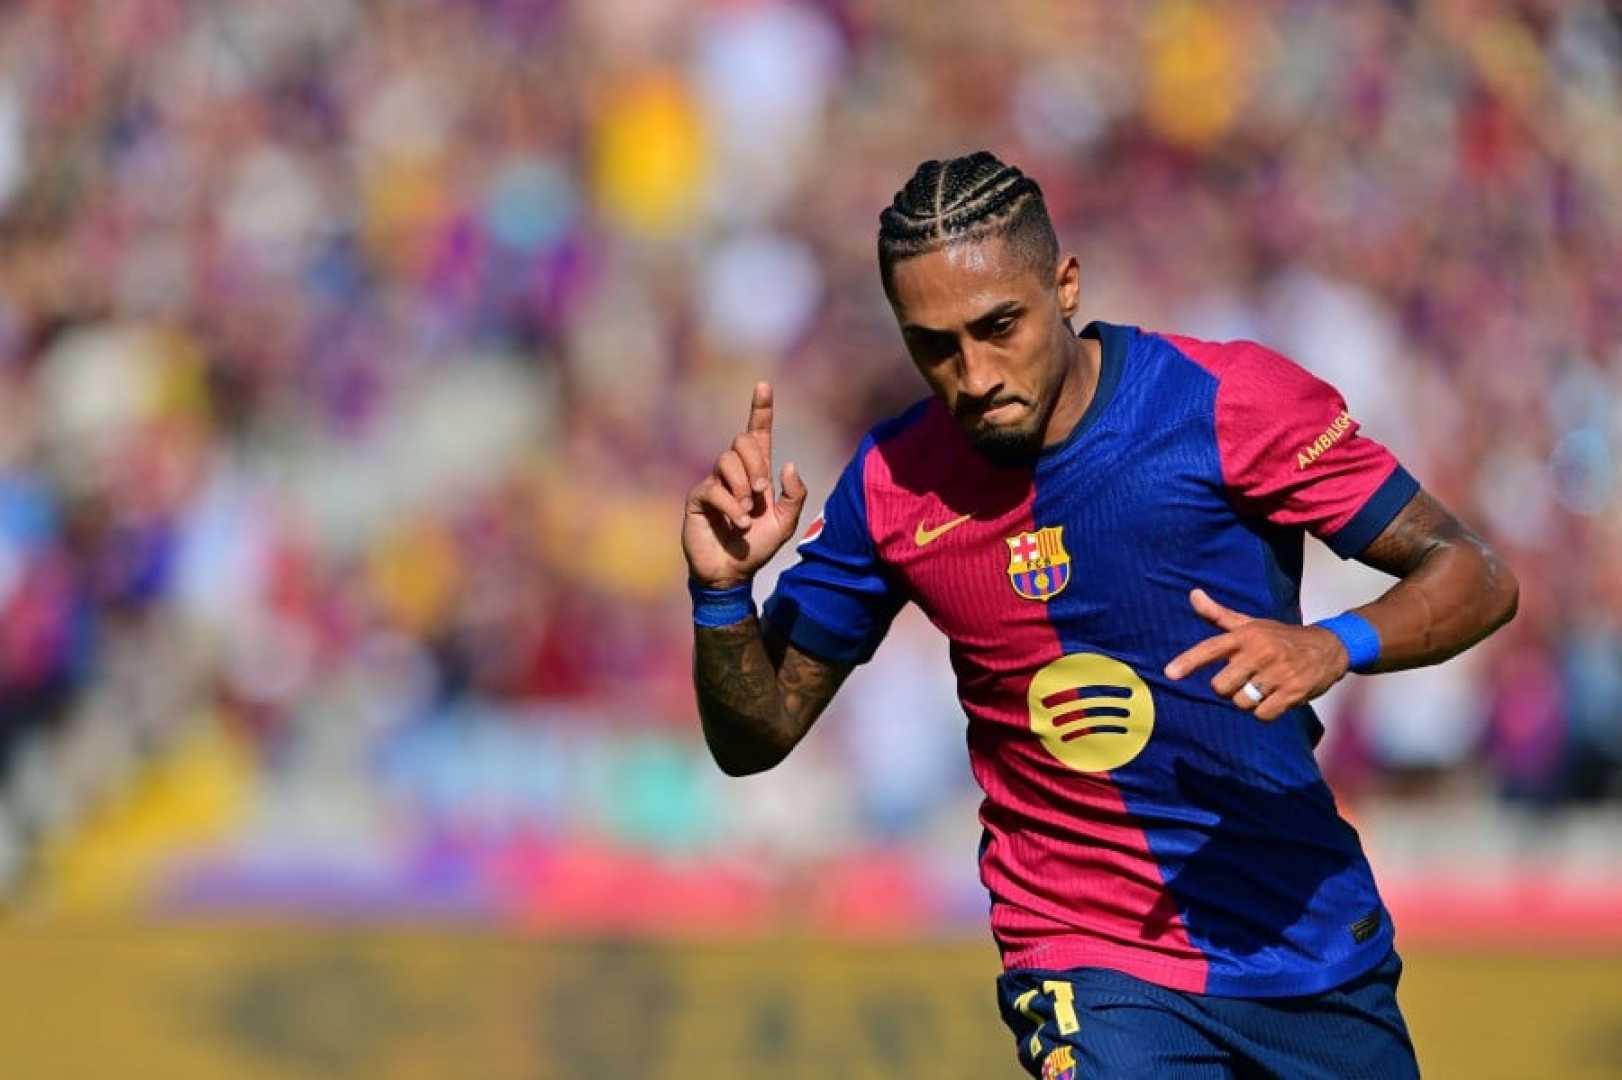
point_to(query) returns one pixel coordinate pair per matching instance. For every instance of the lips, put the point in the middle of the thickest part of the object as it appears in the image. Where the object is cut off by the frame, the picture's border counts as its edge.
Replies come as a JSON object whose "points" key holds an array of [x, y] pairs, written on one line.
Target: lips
{"points": [[1002, 413]]}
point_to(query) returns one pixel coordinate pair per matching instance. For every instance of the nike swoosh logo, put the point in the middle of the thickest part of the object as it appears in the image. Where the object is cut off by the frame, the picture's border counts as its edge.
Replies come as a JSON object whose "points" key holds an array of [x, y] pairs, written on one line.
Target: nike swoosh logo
{"points": [[929, 536]]}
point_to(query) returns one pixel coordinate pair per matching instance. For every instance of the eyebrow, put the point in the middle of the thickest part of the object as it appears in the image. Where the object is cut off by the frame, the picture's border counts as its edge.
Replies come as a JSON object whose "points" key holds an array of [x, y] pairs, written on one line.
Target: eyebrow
{"points": [[1006, 307]]}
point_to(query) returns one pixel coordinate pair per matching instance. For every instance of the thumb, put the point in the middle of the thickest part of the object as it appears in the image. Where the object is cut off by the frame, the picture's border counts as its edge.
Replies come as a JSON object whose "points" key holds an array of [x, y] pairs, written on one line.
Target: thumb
{"points": [[792, 499], [1213, 612]]}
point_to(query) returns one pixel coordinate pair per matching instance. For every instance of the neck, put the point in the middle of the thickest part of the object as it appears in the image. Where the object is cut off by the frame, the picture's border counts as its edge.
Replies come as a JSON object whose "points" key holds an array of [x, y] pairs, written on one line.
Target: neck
{"points": [[1084, 358]]}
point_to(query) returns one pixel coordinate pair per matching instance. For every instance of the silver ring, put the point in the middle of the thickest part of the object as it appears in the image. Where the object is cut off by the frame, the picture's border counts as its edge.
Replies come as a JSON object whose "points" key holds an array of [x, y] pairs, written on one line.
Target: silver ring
{"points": [[1253, 692]]}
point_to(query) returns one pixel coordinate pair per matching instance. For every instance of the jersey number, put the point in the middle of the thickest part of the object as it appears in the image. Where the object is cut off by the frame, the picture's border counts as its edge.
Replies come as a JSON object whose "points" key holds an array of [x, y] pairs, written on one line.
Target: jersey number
{"points": [[1064, 1010]]}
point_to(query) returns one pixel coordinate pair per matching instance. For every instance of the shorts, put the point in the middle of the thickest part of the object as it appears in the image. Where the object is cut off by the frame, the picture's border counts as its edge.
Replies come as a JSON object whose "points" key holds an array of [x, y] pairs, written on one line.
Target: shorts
{"points": [[1094, 1022]]}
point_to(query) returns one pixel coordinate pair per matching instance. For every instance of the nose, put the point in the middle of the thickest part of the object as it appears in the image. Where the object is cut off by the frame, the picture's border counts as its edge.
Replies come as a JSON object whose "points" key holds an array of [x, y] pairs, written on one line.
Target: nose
{"points": [[980, 377]]}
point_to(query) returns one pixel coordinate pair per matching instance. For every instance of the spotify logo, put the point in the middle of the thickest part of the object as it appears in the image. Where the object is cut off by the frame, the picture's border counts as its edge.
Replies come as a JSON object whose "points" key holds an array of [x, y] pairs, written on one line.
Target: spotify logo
{"points": [[1092, 712]]}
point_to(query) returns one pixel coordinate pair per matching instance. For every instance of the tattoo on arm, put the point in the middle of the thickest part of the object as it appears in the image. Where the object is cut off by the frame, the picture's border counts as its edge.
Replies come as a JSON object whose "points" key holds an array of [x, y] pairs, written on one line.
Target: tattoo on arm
{"points": [[1417, 530], [757, 694], [1454, 591], [807, 684]]}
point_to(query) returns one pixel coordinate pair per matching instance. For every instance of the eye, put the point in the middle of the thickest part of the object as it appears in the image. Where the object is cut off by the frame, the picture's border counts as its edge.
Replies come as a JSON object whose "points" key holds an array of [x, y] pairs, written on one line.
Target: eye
{"points": [[1003, 325], [931, 348]]}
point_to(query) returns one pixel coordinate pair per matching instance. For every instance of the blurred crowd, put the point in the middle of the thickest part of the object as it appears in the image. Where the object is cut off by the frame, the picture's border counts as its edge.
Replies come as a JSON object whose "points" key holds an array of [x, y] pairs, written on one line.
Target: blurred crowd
{"points": [[357, 355]]}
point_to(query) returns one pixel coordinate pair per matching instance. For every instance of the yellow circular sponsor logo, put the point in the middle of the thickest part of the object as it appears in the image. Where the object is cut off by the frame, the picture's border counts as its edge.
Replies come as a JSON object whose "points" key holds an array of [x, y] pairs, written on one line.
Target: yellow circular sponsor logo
{"points": [[1092, 712]]}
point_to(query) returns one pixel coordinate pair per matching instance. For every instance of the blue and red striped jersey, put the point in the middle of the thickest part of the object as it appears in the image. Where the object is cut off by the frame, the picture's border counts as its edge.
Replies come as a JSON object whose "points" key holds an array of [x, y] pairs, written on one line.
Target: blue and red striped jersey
{"points": [[1130, 821]]}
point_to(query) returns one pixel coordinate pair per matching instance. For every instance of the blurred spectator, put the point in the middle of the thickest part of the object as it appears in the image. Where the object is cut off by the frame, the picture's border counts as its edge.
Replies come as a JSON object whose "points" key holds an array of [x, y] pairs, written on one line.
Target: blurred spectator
{"points": [[356, 356]]}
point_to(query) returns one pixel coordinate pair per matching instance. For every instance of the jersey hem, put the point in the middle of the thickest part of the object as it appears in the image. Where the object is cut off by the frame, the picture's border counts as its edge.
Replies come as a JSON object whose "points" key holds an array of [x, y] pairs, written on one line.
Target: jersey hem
{"points": [[1315, 981], [1068, 954]]}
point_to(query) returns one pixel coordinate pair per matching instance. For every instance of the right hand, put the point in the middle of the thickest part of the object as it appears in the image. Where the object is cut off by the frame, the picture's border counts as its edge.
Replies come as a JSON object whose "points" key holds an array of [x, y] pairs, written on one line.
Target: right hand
{"points": [[734, 521]]}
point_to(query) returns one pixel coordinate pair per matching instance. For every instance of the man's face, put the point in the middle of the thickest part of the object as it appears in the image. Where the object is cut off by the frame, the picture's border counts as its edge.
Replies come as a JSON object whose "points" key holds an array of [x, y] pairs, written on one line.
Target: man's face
{"points": [[990, 334]]}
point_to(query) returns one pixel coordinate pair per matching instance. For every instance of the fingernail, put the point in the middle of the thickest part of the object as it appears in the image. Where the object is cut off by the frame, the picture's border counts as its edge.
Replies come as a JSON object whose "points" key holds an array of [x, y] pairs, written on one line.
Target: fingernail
{"points": [[760, 485], [742, 523]]}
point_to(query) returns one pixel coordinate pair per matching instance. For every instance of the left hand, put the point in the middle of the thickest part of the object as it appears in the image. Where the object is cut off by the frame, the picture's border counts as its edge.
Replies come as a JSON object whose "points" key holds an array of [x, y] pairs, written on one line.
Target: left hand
{"points": [[1288, 664]]}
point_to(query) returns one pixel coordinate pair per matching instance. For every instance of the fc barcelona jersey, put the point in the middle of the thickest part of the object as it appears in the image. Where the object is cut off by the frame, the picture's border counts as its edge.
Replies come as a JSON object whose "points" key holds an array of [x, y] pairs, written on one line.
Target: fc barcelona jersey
{"points": [[1130, 821]]}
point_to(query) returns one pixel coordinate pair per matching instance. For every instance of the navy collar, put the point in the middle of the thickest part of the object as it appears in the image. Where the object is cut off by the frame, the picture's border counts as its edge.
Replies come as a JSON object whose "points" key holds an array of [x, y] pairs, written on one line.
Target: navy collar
{"points": [[1115, 342]]}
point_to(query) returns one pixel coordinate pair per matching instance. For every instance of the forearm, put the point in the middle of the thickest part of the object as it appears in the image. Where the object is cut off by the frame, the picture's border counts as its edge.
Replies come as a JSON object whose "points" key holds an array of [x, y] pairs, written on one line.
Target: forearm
{"points": [[740, 700], [1456, 594]]}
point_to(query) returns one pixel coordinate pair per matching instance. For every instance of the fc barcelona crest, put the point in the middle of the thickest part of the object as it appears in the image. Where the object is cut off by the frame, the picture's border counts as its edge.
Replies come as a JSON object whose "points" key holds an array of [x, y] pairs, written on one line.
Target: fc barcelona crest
{"points": [[1060, 1064], [1038, 564]]}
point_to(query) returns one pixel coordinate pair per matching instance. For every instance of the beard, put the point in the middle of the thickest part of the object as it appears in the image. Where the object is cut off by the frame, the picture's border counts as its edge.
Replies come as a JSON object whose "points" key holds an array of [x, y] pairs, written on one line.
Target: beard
{"points": [[1007, 447]]}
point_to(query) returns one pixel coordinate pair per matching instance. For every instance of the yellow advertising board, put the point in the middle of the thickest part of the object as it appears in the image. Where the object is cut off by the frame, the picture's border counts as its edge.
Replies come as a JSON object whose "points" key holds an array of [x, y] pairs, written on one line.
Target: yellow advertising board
{"points": [[279, 1002]]}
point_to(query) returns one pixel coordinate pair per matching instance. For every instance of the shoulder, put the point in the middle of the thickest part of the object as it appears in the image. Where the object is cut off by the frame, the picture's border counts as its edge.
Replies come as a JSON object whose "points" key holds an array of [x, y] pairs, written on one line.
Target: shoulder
{"points": [[892, 448], [918, 464], [908, 428], [1244, 368], [911, 447], [1261, 394], [1290, 447]]}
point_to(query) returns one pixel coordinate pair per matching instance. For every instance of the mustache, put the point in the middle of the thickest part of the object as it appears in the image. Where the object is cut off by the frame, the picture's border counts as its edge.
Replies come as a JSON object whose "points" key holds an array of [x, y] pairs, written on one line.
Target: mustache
{"points": [[971, 408]]}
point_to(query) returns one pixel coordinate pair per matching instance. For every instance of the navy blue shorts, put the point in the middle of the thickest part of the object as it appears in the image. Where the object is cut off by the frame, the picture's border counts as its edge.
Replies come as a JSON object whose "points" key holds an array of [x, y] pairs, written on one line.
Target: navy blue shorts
{"points": [[1092, 1022]]}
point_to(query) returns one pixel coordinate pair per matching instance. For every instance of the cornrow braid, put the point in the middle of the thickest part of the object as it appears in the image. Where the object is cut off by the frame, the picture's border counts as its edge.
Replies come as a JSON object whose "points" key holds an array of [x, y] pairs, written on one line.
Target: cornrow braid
{"points": [[966, 199]]}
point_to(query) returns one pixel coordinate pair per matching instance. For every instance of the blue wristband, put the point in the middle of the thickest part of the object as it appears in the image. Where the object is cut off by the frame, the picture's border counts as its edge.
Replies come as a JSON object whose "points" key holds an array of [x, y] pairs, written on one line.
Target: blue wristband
{"points": [[721, 607], [1361, 639]]}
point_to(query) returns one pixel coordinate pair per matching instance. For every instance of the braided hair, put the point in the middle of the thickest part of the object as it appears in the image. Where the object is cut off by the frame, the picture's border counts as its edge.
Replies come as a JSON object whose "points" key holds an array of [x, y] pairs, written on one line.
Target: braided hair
{"points": [[966, 199]]}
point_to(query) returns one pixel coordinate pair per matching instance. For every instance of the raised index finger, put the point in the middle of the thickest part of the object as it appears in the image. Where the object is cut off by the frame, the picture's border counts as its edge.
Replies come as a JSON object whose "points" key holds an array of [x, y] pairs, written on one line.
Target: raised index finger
{"points": [[760, 417]]}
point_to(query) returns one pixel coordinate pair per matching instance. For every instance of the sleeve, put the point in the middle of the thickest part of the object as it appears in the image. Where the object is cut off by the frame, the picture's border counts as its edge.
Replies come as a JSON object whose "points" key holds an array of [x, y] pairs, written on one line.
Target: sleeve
{"points": [[1292, 453], [837, 602]]}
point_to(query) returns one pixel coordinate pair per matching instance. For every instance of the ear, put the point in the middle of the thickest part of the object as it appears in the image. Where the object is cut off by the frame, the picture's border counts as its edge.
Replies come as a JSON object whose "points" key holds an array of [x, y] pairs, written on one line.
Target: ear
{"points": [[1068, 280]]}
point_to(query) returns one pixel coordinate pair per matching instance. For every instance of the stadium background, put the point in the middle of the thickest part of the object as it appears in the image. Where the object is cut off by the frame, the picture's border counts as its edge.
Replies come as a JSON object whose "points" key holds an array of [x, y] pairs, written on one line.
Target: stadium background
{"points": [[356, 356]]}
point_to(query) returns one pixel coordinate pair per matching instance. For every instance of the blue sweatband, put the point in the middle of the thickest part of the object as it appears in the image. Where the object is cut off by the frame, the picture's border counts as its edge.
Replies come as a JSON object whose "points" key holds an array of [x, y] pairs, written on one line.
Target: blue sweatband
{"points": [[1361, 639], [721, 607]]}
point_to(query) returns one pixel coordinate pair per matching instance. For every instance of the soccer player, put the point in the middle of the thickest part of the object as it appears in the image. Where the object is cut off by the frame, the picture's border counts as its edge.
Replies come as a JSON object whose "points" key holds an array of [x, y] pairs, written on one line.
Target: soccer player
{"points": [[1108, 528]]}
